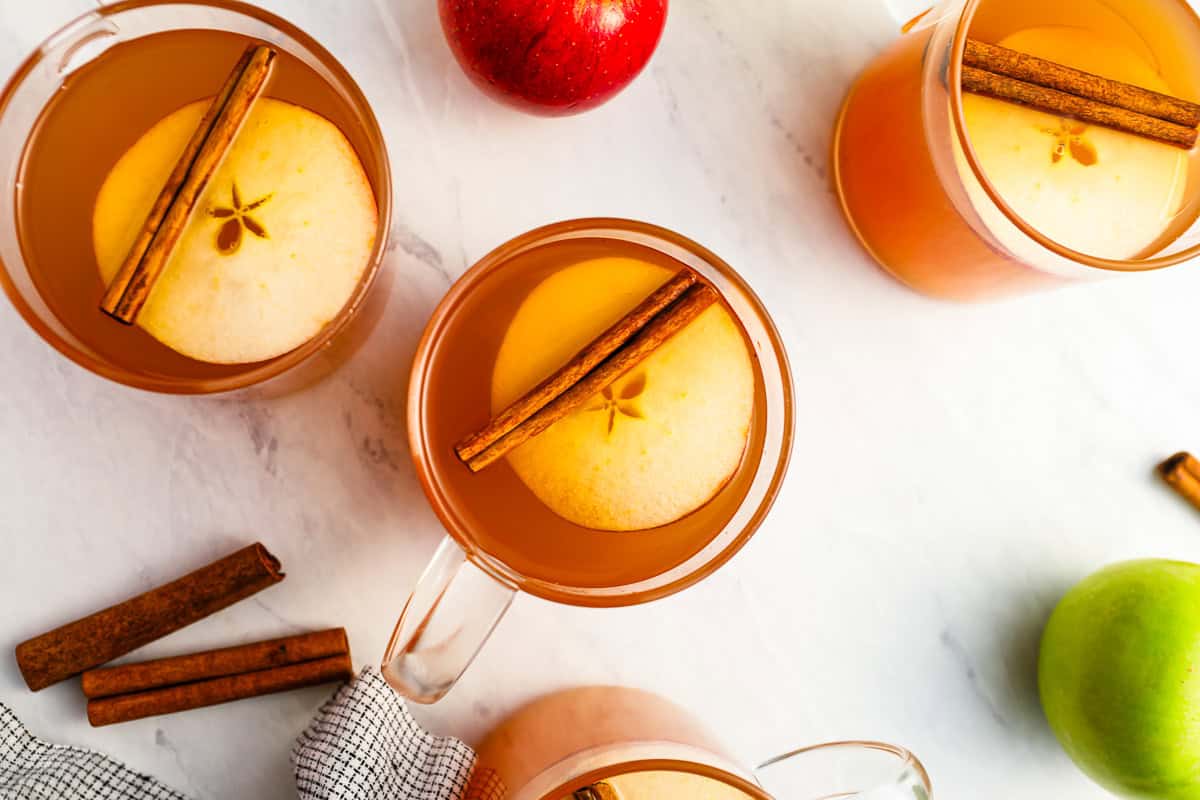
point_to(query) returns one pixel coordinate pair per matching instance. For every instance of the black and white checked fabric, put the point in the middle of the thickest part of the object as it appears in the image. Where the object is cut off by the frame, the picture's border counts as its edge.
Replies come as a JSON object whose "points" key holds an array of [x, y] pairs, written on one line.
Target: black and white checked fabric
{"points": [[31, 769], [364, 745]]}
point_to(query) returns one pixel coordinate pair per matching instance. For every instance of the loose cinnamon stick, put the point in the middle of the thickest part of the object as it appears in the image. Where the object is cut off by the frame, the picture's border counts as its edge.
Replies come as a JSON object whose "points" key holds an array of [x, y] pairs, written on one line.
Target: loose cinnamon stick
{"points": [[130, 288], [1182, 473], [580, 365], [656, 332], [127, 707], [113, 632], [1051, 100], [1031, 69], [130, 678]]}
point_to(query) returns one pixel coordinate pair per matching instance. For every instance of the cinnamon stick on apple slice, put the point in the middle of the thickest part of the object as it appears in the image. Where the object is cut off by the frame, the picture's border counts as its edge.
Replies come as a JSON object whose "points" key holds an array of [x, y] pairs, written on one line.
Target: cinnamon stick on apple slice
{"points": [[129, 290], [616, 351]]}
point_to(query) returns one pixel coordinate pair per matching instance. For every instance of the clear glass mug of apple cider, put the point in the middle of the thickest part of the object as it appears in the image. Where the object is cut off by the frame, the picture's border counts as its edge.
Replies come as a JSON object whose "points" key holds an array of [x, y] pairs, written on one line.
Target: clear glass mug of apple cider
{"points": [[613, 743], [1093, 172], [657, 436], [273, 213]]}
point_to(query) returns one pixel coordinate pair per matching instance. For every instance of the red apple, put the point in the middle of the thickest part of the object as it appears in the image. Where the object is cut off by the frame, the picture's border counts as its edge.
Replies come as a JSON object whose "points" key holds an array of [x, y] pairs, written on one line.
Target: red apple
{"points": [[553, 56]]}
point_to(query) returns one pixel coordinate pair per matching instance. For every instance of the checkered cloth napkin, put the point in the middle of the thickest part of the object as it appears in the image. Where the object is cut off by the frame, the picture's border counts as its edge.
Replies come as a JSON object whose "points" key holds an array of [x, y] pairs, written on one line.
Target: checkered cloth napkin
{"points": [[363, 745]]}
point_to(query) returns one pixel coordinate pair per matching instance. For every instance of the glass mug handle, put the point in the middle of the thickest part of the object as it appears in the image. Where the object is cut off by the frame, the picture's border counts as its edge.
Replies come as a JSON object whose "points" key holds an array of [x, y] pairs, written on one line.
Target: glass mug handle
{"points": [[867, 770], [448, 618]]}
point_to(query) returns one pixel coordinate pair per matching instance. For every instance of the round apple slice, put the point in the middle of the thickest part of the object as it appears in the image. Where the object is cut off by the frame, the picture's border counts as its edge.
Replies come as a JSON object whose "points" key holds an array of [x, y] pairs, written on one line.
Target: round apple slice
{"points": [[278, 242], [659, 442]]}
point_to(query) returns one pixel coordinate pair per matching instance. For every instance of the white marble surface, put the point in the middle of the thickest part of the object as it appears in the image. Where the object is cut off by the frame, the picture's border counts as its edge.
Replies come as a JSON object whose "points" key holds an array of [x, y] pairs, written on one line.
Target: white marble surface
{"points": [[956, 467]]}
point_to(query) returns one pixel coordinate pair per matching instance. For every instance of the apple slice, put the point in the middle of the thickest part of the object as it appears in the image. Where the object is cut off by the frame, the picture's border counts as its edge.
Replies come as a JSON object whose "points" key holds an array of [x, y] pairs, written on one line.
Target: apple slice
{"points": [[277, 244], [667, 785], [656, 444], [1097, 190]]}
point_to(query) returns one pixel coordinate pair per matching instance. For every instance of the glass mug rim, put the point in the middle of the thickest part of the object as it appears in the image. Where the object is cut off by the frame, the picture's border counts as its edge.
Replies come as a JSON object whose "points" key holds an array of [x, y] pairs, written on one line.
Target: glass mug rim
{"points": [[953, 73], [730, 775], [421, 448], [724, 775], [343, 82]]}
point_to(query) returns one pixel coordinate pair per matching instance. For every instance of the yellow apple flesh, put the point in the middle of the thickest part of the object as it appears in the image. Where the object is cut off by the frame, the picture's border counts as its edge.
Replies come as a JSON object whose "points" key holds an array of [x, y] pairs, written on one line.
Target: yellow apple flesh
{"points": [[664, 785], [1100, 191], [262, 267], [659, 442]]}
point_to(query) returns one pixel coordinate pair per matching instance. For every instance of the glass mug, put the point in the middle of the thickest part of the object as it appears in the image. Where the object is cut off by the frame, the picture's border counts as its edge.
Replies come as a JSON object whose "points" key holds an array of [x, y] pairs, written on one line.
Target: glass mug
{"points": [[76, 47], [476, 571], [611, 743], [911, 183]]}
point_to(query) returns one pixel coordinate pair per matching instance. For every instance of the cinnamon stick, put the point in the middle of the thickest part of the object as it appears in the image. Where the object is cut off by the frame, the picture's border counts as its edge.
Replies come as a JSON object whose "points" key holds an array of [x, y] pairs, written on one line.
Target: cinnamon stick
{"points": [[653, 335], [130, 678], [1182, 473], [1053, 101], [113, 632], [1031, 69], [131, 286], [127, 707], [580, 365]]}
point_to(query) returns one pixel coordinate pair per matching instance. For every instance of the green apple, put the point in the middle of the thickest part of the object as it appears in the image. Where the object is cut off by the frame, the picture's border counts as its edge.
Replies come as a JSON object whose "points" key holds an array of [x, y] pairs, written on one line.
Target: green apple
{"points": [[278, 242], [1119, 675], [659, 442]]}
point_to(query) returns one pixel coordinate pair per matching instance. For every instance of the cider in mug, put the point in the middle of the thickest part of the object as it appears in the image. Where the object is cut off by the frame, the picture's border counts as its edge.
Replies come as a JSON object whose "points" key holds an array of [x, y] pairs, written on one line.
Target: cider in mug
{"points": [[614, 743], [966, 196], [600, 413], [640, 477], [254, 174]]}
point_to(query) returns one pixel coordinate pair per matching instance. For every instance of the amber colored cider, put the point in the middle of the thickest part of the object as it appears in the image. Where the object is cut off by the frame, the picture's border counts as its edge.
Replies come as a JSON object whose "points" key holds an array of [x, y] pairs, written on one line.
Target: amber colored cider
{"points": [[627, 743], [1067, 181], [506, 518], [102, 109]]}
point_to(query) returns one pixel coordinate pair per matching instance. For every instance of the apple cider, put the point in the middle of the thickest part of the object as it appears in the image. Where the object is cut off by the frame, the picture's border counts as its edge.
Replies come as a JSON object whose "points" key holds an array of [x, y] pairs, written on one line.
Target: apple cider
{"points": [[98, 155], [1107, 198], [628, 485], [605, 743]]}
